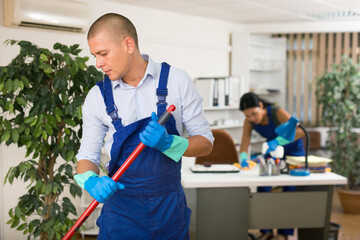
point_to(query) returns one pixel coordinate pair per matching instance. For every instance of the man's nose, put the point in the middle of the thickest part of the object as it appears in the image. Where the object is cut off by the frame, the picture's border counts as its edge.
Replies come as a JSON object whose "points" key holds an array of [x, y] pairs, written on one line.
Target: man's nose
{"points": [[99, 63]]}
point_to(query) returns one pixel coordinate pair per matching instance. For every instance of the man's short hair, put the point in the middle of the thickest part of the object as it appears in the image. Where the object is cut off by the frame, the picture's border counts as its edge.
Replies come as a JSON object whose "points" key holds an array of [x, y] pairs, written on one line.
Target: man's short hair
{"points": [[119, 25]]}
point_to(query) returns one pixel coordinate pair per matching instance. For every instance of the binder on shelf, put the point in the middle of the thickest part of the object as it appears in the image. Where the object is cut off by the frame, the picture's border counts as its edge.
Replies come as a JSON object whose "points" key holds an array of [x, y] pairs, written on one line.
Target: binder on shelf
{"points": [[227, 91], [220, 91], [215, 92]]}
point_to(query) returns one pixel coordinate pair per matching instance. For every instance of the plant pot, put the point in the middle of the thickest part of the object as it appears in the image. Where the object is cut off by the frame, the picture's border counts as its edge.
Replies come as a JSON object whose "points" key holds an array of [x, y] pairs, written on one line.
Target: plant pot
{"points": [[350, 200]]}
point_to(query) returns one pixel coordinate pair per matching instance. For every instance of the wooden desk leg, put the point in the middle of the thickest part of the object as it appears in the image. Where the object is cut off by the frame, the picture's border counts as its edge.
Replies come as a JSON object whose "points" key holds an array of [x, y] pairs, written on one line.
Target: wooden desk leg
{"points": [[222, 213], [319, 233]]}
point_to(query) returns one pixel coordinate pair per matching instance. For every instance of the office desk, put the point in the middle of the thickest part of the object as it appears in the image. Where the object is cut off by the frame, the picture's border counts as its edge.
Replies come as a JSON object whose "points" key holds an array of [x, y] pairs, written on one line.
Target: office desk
{"points": [[223, 207]]}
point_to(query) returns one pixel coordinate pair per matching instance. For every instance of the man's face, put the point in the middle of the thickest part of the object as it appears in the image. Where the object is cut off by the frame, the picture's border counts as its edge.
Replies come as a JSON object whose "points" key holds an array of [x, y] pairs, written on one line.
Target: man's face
{"points": [[111, 54]]}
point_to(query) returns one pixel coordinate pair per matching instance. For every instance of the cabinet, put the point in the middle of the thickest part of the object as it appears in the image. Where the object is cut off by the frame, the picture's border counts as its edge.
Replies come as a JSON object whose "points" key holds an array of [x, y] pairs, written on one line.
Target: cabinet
{"points": [[267, 68], [227, 117], [221, 97], [261, 62]]}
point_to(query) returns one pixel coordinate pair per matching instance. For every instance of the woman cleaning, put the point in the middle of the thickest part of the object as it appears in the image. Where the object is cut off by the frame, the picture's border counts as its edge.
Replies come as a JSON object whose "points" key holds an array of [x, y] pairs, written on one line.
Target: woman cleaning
{"points": [[264, 117]]}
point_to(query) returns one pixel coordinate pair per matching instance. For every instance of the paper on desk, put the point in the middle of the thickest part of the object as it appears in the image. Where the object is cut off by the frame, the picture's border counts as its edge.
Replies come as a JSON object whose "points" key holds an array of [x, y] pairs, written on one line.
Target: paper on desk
{"points": [[311, 159]]}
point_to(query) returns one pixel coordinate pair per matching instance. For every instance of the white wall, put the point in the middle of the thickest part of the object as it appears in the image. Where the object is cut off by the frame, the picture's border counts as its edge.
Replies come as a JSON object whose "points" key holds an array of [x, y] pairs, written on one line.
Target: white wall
{"points": [[198, 45]]}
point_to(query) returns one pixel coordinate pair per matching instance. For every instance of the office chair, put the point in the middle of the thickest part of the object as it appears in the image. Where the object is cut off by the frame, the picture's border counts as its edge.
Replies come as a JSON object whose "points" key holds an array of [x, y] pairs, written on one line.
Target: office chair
{"points": [[314, 140], [224, 151]]}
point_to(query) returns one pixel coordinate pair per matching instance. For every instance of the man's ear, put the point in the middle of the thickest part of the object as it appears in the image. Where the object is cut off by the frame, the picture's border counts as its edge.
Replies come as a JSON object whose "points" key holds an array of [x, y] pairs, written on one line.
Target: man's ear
{"points": [[129, 44]]}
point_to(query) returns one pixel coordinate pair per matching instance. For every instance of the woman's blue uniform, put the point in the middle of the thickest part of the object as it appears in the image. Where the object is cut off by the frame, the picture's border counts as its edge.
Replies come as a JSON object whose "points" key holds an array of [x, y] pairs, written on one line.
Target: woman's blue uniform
{"points": [[153, 204], [295, 148]]}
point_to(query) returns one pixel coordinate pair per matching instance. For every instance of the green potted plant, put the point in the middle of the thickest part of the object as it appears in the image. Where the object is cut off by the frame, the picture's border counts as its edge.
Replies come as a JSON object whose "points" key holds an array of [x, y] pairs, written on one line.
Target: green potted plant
{"points": [[338, 92], [41, 93]]}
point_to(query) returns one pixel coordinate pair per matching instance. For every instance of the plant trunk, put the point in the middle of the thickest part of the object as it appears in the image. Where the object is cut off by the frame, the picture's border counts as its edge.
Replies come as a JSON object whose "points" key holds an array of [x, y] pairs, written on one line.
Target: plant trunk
{"points": [[47, 173]]}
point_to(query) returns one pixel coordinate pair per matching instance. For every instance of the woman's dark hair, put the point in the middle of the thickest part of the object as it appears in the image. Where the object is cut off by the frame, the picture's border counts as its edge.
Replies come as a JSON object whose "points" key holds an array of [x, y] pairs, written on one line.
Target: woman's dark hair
{"points": [[251, 100]]}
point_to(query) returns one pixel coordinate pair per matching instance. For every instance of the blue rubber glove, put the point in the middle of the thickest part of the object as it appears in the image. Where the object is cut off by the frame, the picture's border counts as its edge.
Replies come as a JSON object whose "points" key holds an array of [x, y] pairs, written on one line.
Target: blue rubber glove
{"points": [[272, 145], [156, 136], [101, 188], [243, 158], [276, 142]]}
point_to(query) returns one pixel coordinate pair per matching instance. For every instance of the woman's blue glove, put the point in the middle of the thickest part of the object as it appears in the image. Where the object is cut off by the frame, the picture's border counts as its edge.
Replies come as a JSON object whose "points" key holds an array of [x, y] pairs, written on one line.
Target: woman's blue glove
{"points": [[100, 188], [243, 159], [272, 145], [156, 136], [276, 142]]}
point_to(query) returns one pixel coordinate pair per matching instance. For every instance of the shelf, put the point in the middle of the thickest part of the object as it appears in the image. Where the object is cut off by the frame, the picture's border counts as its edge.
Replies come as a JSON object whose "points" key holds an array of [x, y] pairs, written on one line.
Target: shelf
{"points": [[264, 44], [268, 94], [207, 78], [221, 108], [227, 126], [265, 70]]}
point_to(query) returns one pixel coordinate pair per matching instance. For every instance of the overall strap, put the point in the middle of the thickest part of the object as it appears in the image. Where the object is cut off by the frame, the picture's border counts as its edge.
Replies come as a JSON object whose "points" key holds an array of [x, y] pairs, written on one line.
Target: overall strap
{"points": [[268, 109], [106, 91], [274, 116], [162, 91]]}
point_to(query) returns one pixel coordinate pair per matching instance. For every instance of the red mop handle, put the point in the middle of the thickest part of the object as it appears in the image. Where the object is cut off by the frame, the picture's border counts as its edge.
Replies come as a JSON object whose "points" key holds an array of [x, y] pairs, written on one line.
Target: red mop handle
{"points": [[164, 117]]}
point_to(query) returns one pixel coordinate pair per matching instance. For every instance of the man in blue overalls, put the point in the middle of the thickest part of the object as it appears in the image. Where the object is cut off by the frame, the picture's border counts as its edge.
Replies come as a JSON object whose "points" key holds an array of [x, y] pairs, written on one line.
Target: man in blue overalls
{"points": [[151, 204]]}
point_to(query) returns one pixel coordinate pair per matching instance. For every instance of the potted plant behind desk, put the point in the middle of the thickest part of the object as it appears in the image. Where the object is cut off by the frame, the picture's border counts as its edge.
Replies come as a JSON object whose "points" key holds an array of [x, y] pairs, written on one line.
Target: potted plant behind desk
{"points": [[338, 92], [41, 93]]}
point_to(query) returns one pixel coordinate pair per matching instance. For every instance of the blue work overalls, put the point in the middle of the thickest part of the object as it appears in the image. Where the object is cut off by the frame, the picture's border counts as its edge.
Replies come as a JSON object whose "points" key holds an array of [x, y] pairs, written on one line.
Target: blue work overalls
{"points": [[153, 204], [295, 148]]}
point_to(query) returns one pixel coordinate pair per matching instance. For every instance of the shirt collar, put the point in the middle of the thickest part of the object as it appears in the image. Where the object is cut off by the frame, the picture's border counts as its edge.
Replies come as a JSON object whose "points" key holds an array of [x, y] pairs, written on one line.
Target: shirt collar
{"points": [[150, 73]]}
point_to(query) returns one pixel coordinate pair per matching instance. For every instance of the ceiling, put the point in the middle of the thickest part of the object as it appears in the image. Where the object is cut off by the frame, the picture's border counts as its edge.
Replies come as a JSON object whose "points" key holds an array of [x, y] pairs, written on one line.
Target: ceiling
{"points": [[259, 11]]}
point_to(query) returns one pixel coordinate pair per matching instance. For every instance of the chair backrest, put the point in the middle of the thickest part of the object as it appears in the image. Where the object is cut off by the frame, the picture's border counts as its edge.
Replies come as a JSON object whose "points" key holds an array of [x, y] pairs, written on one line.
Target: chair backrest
{"points": [[224, 151], [314, 143]]}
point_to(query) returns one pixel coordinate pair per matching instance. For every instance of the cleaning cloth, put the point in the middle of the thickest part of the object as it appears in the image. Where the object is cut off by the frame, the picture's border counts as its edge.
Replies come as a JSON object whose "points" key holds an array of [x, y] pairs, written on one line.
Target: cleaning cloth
{"points": [[81, 178], [177, 148]]}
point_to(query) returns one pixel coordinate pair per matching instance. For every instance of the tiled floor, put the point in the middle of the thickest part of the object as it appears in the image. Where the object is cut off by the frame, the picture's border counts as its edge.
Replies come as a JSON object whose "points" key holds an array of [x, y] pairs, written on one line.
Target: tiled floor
{"points": [[350, 224]]}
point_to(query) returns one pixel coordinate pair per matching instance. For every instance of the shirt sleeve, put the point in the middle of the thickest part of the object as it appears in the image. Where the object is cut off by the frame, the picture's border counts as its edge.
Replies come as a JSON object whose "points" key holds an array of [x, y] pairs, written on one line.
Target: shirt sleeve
{"points": [[193, 116], [94, 130]]}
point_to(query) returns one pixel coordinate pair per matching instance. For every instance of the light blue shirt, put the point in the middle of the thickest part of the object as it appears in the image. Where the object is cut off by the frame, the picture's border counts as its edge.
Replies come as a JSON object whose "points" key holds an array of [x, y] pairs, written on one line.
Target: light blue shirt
{"points": [[136, 103]]}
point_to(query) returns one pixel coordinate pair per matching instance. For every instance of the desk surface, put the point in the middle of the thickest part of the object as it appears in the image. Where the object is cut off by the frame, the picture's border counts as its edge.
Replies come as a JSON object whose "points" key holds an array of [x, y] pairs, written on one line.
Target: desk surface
{"points": [[251, 178]]}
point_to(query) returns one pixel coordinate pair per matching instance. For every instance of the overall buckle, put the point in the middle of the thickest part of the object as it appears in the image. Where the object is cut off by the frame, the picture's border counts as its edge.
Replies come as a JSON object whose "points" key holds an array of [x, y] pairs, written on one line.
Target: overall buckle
{"points": [[112, 112]]}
